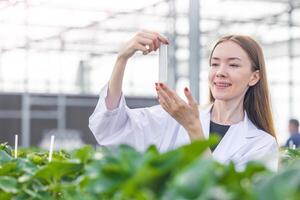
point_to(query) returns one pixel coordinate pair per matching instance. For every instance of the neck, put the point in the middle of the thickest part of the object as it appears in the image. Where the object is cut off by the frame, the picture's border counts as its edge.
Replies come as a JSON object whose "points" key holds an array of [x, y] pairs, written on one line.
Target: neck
{"points": [[294, 132], [228, 112]]}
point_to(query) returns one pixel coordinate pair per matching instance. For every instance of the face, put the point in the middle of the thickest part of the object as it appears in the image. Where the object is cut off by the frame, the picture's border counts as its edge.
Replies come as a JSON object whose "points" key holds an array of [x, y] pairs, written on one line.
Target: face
{"points": [[293, 128], [230, 73]]}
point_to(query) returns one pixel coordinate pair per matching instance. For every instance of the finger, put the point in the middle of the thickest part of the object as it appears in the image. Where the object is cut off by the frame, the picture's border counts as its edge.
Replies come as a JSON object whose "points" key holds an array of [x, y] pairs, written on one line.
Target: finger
{"points": [[164, 105], [163, 39], [151, 47], [148, 43], [144, 41], [163, 96], [141, 48], [153, 37], [148, 35], [154, 40], [157, 44], [162, 100], [160, 37], [169, 92], [189, 96]]}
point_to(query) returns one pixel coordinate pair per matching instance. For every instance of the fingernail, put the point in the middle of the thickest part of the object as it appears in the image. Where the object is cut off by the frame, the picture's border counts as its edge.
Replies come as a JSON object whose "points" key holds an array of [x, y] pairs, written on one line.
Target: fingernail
{"points": [[161, 85], [186, 89]]}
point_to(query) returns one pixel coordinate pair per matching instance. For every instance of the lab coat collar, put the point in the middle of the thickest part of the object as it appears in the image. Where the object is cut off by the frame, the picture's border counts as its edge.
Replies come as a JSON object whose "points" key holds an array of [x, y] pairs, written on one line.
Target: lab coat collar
{"points": [[250, 130], [235, 138]]}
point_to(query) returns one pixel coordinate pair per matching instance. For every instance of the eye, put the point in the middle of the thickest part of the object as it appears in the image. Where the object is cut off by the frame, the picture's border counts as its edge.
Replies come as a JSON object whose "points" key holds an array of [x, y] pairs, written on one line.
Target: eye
{"points": [[234, 65], [214, 64]]}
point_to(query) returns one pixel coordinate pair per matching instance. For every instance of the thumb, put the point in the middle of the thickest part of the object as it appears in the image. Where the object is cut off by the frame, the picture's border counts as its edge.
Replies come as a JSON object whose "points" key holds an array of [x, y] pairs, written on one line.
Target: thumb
{"points": [[189, 96]]}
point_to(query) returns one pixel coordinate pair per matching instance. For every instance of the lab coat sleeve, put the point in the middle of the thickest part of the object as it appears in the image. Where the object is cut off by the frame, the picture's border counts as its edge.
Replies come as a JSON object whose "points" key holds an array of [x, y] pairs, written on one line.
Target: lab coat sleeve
{"points": [[268, 154], [136, 127]]}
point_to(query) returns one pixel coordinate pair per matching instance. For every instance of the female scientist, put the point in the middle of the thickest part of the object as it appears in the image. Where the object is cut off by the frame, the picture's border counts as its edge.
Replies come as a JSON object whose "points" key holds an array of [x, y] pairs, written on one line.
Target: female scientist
{"points": [[239, 109]]}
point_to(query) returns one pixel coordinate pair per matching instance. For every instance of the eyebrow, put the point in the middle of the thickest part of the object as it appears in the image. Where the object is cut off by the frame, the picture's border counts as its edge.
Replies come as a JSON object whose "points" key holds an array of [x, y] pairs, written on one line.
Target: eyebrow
{"points": [[231, 58]]}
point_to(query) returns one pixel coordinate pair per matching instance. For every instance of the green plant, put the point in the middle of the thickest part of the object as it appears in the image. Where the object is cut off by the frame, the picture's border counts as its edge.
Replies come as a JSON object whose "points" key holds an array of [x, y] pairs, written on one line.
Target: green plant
{"points": [[124, 173]]}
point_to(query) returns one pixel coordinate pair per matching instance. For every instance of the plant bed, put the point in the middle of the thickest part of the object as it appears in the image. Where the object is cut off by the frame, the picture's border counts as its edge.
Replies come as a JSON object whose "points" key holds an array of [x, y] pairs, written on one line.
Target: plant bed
{"points": [[124, 173]]}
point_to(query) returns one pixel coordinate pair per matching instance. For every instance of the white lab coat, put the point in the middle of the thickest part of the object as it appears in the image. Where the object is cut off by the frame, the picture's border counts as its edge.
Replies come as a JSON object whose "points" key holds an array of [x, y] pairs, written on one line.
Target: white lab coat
{"points": [[142, 127]]}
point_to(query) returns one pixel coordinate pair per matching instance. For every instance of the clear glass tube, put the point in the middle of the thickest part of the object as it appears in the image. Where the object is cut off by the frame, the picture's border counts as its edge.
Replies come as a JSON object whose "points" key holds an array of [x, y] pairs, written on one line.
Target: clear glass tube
{"points": [[163, 64]]}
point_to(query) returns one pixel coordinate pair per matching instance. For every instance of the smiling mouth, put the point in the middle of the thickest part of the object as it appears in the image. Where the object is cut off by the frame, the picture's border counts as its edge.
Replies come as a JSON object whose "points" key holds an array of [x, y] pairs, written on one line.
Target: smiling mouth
{"points": [[222, 85]]}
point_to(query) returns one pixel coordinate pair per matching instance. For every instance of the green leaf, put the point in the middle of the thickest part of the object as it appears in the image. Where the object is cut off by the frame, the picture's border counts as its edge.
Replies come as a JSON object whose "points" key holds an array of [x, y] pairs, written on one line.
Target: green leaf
{"points": [[284, 185], [237, 185], [8, 169], [4, 157], [105, 176], [84, 154], [5, 147], [8, 184], [157, 168], [5, 195], [194, 180], [25, 169], [37, 159], [55, 171], [195, 150], [154, 168]]}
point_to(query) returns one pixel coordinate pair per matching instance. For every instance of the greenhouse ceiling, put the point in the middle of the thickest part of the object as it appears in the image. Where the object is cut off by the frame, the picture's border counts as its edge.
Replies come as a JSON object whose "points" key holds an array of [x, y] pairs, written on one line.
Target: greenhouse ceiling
{"points": [[98, 27]]}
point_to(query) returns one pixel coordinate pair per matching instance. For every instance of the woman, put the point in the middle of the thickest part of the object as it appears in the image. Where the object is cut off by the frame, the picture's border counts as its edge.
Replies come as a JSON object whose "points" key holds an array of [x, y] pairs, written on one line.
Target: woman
{"points": [[239, 111]]}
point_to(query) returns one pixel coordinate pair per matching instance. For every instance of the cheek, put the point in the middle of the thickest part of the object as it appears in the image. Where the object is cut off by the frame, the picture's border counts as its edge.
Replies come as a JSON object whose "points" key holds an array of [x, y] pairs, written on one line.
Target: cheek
{"points": [[241, 78], [210, 75], [240, 83]]}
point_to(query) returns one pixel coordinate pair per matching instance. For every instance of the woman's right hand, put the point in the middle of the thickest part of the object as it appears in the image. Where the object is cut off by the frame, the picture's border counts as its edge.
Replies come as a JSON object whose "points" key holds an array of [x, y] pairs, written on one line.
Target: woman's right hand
{"points": [[144, 41]]}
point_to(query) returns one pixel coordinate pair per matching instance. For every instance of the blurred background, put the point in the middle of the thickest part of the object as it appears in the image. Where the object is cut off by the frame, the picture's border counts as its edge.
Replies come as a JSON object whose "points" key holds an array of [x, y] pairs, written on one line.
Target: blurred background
{"points": [[56, 55]]}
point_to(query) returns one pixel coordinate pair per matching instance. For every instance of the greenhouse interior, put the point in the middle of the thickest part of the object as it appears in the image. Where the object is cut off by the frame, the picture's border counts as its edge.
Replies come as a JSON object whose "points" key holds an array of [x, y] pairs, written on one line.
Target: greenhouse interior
{"points": [[61, 59]]}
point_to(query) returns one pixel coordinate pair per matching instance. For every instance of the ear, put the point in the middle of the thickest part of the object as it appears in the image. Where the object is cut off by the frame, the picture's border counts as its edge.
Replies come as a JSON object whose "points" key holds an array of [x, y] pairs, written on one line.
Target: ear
{"points": [[254, 78]]}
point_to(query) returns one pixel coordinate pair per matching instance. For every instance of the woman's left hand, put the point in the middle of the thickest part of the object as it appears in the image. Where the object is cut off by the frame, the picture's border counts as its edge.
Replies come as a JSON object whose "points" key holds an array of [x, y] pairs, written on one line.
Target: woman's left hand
{"points": [[187, 114]]}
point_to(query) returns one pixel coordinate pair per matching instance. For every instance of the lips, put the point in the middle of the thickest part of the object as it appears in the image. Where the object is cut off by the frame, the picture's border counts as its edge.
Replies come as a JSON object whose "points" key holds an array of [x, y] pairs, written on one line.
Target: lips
{"points": [[222, 84]]}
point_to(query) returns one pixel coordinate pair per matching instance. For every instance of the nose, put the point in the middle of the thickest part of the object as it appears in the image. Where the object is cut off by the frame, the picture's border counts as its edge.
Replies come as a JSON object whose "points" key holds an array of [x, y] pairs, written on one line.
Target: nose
{"points": [[221, 71]]}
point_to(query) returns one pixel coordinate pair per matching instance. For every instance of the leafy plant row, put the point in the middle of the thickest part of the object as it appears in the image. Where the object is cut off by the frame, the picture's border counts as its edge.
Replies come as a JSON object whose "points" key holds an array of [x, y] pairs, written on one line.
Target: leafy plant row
{"points": [[124, 173]]}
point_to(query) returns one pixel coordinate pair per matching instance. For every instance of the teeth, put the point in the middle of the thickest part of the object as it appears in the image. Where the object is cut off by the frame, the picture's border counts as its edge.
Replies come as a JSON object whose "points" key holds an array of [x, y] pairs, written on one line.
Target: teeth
{"points": [[222, 84]]}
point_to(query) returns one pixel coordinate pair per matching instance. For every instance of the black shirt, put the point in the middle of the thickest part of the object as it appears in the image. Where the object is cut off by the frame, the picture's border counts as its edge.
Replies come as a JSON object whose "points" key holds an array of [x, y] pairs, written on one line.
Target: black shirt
{"points": [[218, 129]]}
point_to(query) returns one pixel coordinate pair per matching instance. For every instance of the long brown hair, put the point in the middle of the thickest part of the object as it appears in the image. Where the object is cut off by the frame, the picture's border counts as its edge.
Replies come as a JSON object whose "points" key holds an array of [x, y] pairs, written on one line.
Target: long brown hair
{"points": [[257, 100]]}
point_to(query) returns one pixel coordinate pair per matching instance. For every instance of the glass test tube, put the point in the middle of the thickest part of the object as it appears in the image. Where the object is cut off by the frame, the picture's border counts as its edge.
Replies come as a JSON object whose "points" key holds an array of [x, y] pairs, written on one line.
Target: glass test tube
{"points": [[163, 63]]}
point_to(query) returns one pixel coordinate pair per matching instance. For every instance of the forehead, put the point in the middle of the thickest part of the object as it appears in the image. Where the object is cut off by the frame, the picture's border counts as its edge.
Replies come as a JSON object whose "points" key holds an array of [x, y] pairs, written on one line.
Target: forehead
{"points": [[229, 49]]}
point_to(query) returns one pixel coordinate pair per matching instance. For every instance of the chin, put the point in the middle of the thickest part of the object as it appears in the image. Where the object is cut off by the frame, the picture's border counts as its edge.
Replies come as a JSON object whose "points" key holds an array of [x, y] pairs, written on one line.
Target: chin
{"points": [[221, 97], [227, 96]]}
